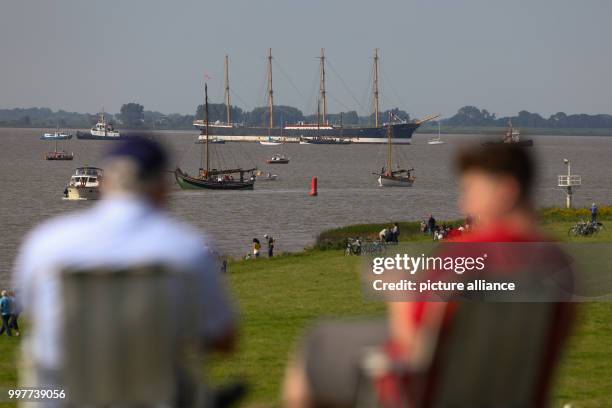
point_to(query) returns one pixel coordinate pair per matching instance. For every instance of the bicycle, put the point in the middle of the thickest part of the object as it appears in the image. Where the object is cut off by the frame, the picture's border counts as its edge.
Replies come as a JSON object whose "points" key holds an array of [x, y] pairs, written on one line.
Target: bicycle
{"points": [[585, 228], [353, 247]]}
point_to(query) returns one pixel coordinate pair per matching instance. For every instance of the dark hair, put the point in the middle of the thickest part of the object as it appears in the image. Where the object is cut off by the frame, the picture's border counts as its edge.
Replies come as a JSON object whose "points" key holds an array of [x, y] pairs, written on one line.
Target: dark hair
{"points": [[505, 159], [148, 154]]}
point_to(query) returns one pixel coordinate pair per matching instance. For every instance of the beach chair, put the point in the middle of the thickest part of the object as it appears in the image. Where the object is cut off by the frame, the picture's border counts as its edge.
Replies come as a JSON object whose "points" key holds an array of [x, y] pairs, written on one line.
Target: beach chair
{"points": [[489, 355], [121, 335]]}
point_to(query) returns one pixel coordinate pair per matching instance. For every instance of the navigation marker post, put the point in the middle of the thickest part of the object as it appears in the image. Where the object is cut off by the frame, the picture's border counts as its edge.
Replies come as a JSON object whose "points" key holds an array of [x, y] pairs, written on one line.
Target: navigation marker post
{"points": [[569, 182]]}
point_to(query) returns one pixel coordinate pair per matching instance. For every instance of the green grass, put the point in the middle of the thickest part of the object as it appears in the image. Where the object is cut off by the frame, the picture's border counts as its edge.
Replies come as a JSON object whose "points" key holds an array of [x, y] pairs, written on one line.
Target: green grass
{"points": [[281, 297]]}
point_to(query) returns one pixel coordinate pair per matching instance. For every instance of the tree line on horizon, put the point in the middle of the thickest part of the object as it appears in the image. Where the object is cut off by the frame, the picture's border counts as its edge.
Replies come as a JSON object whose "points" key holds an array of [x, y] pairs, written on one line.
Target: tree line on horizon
{"points": [[133, 115]]}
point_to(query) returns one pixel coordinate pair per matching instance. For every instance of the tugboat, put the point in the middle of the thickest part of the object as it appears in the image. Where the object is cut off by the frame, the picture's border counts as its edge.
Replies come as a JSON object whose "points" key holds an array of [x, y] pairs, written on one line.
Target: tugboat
{"points": [[215, 179], [100, 131], [511, 136], [394, 178], [84, 184]]}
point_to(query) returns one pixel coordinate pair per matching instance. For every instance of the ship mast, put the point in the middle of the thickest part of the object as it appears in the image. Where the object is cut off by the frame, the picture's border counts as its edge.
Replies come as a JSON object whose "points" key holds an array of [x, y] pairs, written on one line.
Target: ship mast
{"points": [[389, 152], [375, 87], [270, 91], [206, 119], [322, 86], [227, 91]]}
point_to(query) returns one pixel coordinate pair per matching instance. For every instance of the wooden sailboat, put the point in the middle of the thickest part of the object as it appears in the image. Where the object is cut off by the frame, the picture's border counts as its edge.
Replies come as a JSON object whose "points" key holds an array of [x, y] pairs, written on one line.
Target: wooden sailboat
{"points": [[394, 178], [215, 179]]}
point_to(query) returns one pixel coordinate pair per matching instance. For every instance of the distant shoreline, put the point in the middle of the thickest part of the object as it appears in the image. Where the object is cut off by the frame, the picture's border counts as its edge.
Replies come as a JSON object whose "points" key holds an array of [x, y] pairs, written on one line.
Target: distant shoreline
{"points": [[428, 130]]}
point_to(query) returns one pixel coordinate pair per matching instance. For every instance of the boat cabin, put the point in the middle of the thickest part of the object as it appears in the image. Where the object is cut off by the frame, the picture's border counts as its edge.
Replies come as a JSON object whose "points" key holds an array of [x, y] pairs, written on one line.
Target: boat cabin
{"points": [[86, 177]]}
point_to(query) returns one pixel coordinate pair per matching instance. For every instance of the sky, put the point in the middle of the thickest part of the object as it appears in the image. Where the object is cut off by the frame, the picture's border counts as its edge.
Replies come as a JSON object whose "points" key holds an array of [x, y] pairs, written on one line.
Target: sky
{"points": [[543, 56]]}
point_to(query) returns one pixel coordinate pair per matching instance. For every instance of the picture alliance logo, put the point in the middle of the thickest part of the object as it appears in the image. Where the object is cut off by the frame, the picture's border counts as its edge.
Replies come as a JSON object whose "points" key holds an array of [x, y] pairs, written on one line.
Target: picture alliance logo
{"points": [[414, 264]]}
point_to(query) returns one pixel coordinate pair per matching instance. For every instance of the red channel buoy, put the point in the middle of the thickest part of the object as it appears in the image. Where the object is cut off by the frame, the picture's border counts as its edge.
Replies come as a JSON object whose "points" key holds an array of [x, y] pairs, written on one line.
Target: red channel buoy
{"points": [[313, 187]]}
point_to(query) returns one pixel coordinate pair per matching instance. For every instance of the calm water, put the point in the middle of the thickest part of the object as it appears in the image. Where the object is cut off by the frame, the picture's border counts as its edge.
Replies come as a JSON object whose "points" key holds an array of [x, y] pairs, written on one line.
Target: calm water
{"points": [[31, 188]]}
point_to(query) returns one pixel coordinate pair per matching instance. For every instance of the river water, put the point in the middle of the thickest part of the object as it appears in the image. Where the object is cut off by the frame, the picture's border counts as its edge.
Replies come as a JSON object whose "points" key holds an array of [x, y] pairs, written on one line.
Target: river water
{"points": [[31, 188]]}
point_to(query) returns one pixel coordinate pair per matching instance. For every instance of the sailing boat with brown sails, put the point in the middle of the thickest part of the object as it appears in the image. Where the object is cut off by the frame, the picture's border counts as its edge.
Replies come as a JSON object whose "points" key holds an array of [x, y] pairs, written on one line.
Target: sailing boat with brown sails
{"points": [[214, 179]]}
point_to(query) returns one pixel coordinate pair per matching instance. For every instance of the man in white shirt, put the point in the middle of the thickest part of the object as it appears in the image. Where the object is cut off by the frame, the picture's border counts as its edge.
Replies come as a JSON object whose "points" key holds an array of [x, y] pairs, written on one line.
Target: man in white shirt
{"points": [[128, 227]]}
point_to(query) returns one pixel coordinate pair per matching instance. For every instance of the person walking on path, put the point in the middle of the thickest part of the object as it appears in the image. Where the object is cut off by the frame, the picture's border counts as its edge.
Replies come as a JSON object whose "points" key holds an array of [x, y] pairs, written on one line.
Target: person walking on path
{"points": [[431, 224], [271, 242], [15, 312], [5, 312], [593, 213]]}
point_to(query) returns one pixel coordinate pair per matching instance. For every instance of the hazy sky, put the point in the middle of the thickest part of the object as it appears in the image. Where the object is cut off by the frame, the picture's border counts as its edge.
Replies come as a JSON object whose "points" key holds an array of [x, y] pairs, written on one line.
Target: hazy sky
{"points": [[436, 55]]}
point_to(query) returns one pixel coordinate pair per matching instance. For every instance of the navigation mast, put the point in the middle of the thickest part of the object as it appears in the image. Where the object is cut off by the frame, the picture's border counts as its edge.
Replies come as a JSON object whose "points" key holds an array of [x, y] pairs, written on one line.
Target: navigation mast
{"points": [[227, 92], [375, 87], [270, 91], [322, 86]]}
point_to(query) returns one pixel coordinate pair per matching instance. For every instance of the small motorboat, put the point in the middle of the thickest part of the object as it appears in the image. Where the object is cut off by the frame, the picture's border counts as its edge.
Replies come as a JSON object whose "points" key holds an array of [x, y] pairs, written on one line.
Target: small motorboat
{"points": [[278, 159], [270, 142], [59, 155], [265, 176], [84, 184], [57, 135]]}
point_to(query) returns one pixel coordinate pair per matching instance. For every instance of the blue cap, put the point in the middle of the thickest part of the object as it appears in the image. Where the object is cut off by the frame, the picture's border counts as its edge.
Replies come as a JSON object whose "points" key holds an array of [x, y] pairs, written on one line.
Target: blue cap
{"points": [[148, 154]]}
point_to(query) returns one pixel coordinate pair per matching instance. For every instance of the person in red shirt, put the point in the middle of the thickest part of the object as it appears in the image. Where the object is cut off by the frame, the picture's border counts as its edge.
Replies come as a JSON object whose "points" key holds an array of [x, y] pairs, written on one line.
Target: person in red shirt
{"points": [[495, 186], [495, 189]]}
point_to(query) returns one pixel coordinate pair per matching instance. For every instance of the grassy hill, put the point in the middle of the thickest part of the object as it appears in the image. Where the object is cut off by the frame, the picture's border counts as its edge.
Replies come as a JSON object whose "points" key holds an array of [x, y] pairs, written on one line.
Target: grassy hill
{"points": [[279, 298]]}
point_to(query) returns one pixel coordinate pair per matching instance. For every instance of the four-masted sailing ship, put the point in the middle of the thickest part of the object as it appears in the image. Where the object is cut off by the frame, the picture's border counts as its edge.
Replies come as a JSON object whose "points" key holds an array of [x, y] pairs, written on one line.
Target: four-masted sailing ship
{"points": [[322, 132], [214, 179]]}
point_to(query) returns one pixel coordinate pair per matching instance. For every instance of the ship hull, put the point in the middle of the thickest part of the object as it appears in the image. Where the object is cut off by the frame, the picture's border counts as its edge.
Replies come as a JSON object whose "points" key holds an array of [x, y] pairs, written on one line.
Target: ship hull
{"points": [[400, 133], [63, 137], [187, 182], [393, 181], [89, 136], [74, 193]]}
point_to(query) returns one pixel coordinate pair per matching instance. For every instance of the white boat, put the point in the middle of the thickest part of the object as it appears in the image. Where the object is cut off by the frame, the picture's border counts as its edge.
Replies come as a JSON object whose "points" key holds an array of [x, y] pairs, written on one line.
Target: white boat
{"points": [[436, 140], [101, 131], [84, 184], [212, 140], [57, 135], [265, 176], [270, 142]]}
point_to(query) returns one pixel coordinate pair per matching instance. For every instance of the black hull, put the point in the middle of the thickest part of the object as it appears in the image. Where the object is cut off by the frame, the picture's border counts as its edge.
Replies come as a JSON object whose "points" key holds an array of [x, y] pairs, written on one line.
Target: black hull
{"points": [[186, 182], [400, 132], [89, 136], [521, 143]]}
